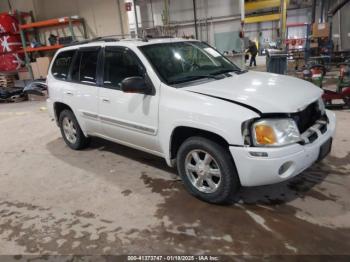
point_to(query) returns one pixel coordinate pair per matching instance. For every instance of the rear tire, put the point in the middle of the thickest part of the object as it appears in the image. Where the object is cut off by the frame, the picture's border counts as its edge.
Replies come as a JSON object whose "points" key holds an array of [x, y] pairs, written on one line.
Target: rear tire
{"points": [[71, 131], [207, 170]]}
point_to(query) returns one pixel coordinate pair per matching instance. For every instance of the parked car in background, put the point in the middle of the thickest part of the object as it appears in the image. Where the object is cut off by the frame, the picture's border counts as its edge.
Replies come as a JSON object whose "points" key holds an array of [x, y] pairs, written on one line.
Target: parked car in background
{"points": [[221, 126]]}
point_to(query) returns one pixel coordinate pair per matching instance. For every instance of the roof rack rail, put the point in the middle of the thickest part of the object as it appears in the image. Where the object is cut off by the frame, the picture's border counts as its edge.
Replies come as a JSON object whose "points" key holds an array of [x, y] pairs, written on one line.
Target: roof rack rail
{"points": [[105, 39], [114, 39], [97, 39], [149, 37], [159, 37], [131, 39]]}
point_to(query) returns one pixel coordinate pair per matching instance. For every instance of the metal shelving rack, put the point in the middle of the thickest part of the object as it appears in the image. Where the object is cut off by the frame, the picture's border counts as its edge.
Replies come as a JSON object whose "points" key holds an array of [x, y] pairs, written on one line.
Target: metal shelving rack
{"points": [[64, 21]]}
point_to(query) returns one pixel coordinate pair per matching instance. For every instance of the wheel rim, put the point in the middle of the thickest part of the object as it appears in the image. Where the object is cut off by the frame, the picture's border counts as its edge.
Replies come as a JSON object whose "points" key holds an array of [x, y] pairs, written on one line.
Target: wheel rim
{"points": [[203, 171], [70, 130]]}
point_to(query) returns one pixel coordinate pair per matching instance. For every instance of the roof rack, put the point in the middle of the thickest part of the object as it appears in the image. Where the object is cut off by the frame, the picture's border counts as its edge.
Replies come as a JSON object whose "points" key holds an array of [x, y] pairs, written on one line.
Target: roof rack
{"points": [[148, 37], [114, 39], [97, 39], [159, 37], [131, 39]]}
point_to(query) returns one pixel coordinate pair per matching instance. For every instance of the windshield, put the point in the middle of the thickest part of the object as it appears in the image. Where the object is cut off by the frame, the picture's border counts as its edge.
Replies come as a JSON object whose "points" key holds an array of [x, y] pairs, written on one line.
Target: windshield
{"points": [[181, 62]]}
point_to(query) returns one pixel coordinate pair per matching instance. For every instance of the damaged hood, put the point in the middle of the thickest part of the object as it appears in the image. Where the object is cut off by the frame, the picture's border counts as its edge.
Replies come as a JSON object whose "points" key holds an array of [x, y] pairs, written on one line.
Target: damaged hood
{"points": [[268, 93]]}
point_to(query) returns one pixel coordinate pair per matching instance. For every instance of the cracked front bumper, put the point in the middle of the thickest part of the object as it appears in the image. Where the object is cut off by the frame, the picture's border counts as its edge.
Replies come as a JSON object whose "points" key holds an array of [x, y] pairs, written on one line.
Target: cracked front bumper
{"points": [[281, 163]]}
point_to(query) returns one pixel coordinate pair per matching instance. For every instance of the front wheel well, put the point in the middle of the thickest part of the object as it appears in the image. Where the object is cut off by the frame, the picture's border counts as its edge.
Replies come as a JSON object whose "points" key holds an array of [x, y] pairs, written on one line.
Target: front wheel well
{"points": [[180, 134]]}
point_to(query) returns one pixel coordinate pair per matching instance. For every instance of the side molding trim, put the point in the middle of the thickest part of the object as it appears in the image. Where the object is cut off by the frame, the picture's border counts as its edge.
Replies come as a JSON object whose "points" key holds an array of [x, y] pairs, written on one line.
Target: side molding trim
{"points": [[111, 121]]}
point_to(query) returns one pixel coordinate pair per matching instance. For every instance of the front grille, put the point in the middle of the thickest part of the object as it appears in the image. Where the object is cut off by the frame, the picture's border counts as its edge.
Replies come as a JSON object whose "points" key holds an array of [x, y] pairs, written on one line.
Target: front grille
{"points": [[314, 132], [311, 122], [307, 117]]}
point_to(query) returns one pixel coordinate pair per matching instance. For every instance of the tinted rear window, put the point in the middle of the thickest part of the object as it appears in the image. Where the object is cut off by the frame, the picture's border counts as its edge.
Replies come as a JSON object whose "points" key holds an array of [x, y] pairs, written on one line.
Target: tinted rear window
{"points": [[62, 63], [85, 66]]}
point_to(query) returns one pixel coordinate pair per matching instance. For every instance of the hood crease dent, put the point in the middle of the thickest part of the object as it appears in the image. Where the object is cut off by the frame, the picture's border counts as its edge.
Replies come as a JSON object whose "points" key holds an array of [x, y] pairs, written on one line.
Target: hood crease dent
{"points": [[262, 92]]}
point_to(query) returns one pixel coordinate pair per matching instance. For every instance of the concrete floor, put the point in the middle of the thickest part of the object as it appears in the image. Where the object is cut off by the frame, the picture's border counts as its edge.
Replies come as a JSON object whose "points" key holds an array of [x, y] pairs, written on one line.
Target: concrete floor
{"points": [[109, 199]]}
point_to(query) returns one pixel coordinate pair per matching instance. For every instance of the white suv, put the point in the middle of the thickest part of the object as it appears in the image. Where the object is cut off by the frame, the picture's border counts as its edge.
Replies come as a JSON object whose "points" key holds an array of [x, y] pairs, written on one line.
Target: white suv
{"points": [[222, 127]]}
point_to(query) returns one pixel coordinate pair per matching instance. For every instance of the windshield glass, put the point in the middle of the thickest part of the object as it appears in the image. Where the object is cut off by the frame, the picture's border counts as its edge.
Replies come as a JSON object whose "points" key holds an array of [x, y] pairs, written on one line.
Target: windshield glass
{"points": [[181, 62]]}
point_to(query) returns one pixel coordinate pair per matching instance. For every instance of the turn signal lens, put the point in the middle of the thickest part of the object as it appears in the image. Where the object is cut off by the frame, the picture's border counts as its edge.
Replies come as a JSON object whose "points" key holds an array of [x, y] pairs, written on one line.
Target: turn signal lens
{"points": [[265, 135]]}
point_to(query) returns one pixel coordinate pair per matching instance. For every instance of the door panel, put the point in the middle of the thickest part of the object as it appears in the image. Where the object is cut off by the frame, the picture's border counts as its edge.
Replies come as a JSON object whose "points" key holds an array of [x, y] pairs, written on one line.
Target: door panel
{"points": [[60, 88], [87, 107], [127, 117], [84, 89], [131, 118]]}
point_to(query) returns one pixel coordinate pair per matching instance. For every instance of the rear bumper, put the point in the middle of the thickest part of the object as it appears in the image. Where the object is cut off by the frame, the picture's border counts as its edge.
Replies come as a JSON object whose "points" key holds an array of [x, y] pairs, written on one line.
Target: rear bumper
{"points": [[256, 171]]}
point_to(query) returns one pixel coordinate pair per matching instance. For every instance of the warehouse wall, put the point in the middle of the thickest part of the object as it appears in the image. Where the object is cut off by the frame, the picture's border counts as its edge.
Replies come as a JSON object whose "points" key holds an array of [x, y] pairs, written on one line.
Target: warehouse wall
{"points": [[23, 5], [20, 5], [181, 11], [217, 20], [223, 20], [102, 17]]}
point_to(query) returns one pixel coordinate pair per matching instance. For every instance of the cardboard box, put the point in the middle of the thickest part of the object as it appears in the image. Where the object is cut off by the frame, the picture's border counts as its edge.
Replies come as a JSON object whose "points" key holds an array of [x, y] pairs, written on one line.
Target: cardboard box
{"points": [[320, 30], [35, 69], [23, 74], [43, 65]]}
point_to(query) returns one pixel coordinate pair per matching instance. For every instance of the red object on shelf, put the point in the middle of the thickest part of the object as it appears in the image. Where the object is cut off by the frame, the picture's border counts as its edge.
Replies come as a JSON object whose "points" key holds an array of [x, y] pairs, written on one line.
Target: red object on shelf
{"points": [[10, 44], [10, 62], [8, 24], [294, 41]]}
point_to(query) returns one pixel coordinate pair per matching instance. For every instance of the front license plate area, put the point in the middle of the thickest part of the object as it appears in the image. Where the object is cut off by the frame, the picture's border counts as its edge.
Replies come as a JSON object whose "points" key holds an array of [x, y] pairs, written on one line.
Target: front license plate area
{"points": [[325, 149]]}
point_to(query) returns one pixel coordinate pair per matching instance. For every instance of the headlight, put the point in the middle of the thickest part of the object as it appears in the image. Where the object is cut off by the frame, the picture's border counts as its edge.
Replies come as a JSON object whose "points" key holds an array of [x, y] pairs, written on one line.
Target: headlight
{"points": [[275, 132]]}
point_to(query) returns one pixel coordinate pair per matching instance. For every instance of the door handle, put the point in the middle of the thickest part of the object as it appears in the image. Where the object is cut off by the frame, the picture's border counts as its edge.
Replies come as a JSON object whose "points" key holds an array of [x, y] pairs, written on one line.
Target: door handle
{"points": [[106, 100], [68, 93]]}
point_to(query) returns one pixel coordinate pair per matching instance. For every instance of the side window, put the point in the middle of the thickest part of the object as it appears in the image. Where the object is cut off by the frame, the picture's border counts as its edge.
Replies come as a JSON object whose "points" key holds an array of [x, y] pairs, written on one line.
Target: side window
{"points": [[62, 63], [85, 67], [120, 64]]}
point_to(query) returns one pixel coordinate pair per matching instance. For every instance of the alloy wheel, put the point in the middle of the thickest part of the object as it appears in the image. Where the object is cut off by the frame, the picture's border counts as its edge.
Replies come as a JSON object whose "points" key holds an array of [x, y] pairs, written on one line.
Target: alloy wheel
{"points": [[70, 130], [203, 171]]}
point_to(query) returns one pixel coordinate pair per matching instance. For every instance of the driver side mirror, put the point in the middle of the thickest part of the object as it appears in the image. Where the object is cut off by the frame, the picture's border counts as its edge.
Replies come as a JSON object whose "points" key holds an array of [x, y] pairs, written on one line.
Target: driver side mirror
{"points": [[136, 84]]}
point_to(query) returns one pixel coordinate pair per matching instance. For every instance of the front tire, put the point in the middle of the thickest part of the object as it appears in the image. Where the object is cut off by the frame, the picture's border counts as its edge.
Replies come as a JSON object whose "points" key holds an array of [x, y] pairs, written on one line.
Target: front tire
{"points": [[71, 131], [207, 170]]}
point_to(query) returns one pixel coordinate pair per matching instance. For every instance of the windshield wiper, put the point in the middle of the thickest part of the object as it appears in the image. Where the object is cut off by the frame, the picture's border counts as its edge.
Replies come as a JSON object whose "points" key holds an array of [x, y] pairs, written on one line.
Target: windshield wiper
{"points": [[194, 77], [224, 71]]}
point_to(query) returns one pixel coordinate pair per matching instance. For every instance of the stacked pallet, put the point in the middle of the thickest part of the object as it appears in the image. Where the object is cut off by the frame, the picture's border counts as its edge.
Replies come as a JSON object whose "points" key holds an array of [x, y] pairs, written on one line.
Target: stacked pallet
{"points": [[7, 80], [8, 91]]}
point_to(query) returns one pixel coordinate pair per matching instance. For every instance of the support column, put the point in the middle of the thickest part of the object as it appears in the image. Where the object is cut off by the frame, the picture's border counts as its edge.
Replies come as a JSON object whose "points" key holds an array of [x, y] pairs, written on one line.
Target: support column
{"points": [[195, 18], [136, 20], [284, 6]]}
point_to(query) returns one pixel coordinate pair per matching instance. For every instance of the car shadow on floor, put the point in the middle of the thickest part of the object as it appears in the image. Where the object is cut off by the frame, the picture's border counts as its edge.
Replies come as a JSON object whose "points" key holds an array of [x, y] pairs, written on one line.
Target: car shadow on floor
{"points": [[278, 194], [128, 152]]}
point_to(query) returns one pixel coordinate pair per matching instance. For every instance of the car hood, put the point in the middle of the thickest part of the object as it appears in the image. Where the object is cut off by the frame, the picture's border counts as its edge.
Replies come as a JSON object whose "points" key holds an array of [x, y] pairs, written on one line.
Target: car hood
{"points": [[266, 92]]}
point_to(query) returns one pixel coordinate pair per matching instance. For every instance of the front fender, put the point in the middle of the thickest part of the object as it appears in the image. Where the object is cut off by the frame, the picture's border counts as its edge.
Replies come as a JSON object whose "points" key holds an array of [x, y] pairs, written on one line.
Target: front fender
{"points": [[182, 108]]}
